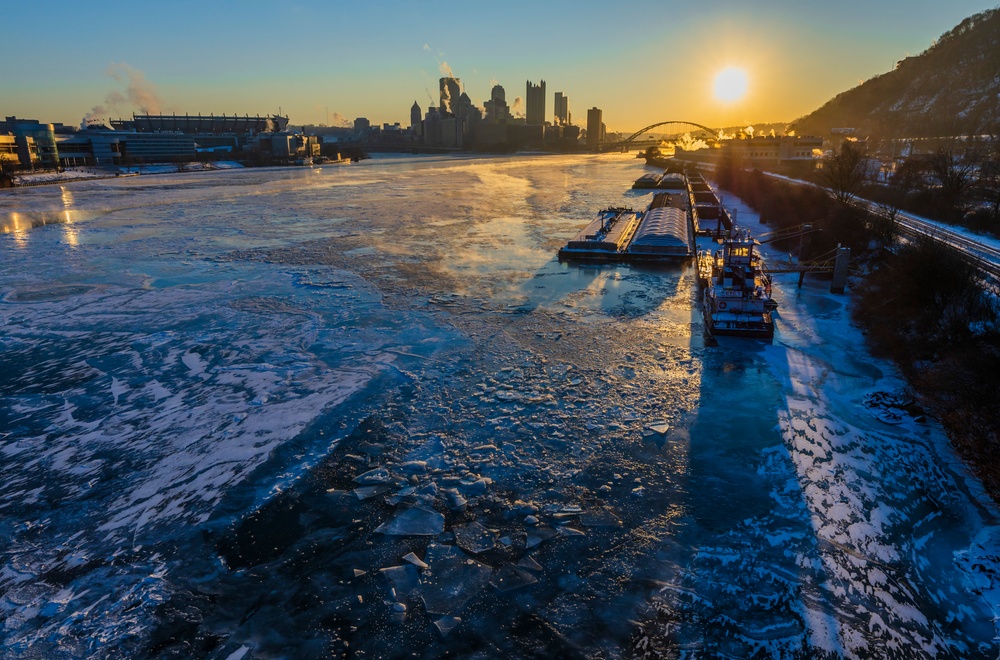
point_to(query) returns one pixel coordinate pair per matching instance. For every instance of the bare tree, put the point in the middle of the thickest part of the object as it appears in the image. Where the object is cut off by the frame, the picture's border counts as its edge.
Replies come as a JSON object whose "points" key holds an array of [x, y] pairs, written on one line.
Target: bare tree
{"points": [[884, 220], [844, 171], [989, 182], [955, 169]]}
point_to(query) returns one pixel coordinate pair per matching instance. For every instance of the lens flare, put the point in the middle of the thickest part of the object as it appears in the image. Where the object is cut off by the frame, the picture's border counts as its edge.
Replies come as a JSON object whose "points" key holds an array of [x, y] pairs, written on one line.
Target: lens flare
{"points": [[730, 84]]}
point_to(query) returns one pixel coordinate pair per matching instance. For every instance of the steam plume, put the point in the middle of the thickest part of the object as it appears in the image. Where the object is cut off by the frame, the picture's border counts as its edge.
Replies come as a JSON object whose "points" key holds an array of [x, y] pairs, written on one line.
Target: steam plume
{"points": [[517, 110], [688, 143], [340, 121], [445, 69], [139, 94]]}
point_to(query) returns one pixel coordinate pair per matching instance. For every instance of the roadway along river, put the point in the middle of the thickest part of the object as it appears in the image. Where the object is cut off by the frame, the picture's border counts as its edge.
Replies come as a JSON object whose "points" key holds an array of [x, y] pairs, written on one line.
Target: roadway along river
{"points": [[362, 410]]}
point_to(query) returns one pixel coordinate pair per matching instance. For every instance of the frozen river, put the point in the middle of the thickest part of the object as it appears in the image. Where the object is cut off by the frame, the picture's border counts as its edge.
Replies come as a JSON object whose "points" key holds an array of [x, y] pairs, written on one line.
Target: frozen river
{"points": [[363, 411]]}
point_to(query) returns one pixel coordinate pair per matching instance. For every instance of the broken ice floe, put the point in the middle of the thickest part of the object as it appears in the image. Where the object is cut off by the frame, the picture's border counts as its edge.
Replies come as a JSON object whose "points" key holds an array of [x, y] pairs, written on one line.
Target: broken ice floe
{"points": [[453, 579], [414, 522]]}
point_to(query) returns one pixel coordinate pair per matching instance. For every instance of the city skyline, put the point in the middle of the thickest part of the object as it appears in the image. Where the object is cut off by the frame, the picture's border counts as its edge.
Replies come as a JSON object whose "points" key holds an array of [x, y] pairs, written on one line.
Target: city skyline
{"points": [[640, 62]]}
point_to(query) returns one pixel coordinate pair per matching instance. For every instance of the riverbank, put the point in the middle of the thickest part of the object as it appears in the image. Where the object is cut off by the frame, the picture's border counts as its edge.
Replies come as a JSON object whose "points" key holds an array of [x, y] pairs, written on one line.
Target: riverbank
{"points": [[919, 305], [70, 175]]}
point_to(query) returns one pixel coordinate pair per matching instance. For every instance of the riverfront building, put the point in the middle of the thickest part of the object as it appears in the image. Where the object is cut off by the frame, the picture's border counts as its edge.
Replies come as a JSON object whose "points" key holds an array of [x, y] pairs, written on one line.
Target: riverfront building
{"points": [[97, 146], [33, 143], [774, 149]]}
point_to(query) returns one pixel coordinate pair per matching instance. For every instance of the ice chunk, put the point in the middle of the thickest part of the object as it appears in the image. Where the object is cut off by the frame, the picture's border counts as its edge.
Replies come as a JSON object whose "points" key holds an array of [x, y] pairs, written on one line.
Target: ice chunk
{"points": [[415, 560], [600, 518], [454, 579], [428, 489], [529, 563], [376, 476], [477, 487], [660, 427], [404, 580], [414, 522], [454, 499], [569, 531], [414, 467], [539, 535], [474, 538], [511, 577], [446, 624], [367, 492]]}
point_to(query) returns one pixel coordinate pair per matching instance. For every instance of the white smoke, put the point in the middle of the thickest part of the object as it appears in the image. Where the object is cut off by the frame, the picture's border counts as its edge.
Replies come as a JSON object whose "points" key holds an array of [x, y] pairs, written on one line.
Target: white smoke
{"points": [[139, 95], [445, 69], [517, 110], [688, 143], [340, 121], [749, 130]]}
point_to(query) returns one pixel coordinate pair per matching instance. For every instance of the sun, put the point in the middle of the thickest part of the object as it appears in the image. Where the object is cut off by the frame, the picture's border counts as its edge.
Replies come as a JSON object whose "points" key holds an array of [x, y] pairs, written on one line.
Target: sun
{"points": [[730, 84]]}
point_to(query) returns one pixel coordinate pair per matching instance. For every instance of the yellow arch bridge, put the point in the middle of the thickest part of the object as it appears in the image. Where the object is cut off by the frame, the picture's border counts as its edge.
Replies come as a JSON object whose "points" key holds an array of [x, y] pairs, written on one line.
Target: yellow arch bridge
{"points": [[636, 140]]}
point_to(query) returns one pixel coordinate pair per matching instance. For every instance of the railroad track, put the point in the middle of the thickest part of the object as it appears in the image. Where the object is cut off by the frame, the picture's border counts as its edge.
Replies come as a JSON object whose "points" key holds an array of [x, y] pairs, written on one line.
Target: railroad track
{"points": [[985, 257]]}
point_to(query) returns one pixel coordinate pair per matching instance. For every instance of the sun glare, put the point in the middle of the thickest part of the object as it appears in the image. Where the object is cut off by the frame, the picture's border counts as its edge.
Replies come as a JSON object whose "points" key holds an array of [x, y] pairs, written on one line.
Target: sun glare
{"points": [[730, 84]]}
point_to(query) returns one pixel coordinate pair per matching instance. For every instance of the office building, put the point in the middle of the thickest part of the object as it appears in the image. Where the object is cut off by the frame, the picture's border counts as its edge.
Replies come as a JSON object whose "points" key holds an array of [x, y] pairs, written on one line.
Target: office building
{"points": [[594, 127], [414, 115], [562, 117], [534, 97], [497, 110]]}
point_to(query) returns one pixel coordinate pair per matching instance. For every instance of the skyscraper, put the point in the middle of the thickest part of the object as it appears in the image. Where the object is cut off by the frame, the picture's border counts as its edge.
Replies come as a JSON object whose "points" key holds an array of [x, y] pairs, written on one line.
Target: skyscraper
{"points": [[497, 110], [535, 99], [415, 114], [594, 122], [451, 90], [562, 109]]}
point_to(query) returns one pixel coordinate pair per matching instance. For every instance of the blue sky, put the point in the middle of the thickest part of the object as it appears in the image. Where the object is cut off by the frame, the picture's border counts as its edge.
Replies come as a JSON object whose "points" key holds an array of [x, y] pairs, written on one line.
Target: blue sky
{"points": [[640, 61]]}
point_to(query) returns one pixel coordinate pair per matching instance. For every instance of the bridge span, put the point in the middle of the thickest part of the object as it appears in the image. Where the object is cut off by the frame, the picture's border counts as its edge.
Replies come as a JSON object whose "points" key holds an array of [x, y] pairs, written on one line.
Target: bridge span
{"points": [[710, 135]]}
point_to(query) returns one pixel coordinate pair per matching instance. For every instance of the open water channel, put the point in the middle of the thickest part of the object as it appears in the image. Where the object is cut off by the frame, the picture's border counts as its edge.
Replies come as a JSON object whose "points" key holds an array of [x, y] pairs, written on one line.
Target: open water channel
{"points": [[363, 411]]}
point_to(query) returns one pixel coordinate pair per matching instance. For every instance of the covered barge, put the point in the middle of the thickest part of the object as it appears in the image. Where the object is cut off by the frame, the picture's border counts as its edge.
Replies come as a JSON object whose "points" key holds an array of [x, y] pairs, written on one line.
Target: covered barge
{"points": [[665, 231]]}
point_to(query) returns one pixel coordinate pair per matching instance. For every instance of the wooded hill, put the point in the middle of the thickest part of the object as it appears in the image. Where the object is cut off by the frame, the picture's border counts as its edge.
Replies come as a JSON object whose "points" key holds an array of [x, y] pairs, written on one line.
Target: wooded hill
{"points": [[951, 89]]}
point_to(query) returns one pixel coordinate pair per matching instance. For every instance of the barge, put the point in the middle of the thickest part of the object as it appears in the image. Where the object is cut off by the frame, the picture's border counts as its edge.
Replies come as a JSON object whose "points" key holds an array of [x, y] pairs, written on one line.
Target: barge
{"points": [[737, 300], [606, 236], [665, 231], [647, 182]]}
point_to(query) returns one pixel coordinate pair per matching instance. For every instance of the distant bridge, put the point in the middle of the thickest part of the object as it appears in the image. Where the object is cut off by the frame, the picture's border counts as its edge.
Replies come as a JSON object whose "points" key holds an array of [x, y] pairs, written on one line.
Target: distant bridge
{"points": [[711, 135]]}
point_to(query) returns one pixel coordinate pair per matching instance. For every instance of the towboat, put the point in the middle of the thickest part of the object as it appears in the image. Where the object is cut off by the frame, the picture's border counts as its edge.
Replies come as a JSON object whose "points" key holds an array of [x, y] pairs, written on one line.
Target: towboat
{"points": [[737, 298]]}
